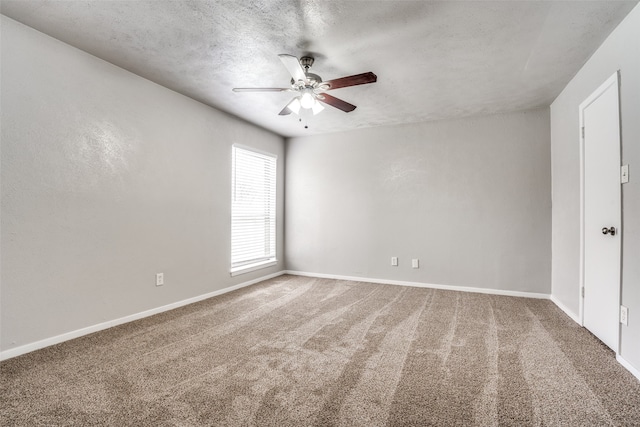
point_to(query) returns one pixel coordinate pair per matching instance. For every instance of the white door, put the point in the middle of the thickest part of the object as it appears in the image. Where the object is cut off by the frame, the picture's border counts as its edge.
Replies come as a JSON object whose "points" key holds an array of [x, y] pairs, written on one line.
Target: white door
{"points": [[601, 207]]}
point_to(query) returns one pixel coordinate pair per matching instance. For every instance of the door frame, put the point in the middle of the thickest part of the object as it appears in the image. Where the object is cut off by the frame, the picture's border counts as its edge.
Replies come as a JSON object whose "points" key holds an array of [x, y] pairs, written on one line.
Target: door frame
{"points": [[613, 80]]}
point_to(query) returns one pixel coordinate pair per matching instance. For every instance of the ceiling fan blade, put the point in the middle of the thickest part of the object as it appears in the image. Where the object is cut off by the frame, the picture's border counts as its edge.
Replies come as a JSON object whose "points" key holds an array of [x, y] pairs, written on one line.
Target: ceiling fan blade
{"points": [[358, 79], [292, 64], [261, 89], [285, 111], [335, 102]]}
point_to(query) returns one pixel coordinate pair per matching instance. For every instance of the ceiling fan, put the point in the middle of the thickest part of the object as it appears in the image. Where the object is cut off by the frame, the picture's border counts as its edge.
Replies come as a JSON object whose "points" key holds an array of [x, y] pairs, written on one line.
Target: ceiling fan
{"points": [[311, 88]]}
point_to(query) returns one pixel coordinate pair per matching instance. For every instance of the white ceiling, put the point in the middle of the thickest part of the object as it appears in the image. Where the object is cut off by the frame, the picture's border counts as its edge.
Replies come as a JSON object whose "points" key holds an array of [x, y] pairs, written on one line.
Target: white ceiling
{"points": [[434, 60]]}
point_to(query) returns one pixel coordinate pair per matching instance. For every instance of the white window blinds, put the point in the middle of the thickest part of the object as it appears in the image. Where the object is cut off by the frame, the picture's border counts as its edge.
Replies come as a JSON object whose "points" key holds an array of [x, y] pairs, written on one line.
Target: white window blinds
{"points": [[253, 209]]}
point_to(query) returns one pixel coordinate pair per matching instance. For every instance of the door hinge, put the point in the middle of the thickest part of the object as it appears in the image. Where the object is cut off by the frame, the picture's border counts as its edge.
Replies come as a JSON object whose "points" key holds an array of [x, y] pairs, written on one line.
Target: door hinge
{"points": [[582, 132], [583, 292]]}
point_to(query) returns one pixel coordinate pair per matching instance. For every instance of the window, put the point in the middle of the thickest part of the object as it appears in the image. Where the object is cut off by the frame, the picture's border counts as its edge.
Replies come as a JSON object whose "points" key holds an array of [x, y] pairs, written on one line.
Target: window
{"points": [[253, 210]]}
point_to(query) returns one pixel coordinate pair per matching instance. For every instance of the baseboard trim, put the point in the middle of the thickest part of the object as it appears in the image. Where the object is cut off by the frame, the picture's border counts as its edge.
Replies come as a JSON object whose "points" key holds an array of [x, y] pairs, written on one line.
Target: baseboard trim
{"points": [[422, 285], [27, 348], [628, 366], [566, 310]]}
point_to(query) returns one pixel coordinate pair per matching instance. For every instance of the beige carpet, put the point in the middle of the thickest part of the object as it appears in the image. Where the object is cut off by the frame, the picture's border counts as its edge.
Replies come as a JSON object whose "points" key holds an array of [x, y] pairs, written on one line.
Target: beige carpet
{"points": [[296, 351]]}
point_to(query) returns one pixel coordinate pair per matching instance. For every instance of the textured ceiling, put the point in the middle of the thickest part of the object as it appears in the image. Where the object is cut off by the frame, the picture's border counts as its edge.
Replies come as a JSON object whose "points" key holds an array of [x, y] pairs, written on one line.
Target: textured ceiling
{"points": [[434, 60]]}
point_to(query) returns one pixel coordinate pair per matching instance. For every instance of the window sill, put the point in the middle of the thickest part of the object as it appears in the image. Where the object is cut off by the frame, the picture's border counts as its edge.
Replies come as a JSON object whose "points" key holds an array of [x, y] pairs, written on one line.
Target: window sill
{"points": [[253, 267]]}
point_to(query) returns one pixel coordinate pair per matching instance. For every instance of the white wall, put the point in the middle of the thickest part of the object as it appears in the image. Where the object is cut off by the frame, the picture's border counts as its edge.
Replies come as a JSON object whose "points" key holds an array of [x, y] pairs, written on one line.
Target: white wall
{"points": [[469, 198], [621, 51], [108, 178]]}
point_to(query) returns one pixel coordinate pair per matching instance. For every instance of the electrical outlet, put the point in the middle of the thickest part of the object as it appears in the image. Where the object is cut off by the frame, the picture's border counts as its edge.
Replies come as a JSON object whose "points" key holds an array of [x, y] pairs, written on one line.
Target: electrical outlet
{"points": [[159, 279], [624, 315], [415, 263], [394, 261], [624, 174]]}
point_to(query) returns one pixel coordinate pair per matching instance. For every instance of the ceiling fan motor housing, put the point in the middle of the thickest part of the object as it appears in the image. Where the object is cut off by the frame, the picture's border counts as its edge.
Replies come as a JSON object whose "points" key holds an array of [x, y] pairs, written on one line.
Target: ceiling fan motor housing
{"points": [[312, 79], [306, 62]]}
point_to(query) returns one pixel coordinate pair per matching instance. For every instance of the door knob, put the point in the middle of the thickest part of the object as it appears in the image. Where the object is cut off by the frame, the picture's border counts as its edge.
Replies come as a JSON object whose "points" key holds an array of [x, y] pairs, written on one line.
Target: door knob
{"points": [[611, 231]]}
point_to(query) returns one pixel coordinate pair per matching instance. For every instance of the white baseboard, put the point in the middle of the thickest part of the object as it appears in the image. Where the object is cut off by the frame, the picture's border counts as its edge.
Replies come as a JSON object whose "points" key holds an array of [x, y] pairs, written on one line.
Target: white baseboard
{"points": [[423, 285], [27, 348], [566, 310], [628, 366]]}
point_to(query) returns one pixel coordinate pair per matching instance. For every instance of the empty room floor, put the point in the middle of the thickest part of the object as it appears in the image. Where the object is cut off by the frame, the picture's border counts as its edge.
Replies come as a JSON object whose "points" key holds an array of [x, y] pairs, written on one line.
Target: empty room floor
{"points": [[300, 351]]}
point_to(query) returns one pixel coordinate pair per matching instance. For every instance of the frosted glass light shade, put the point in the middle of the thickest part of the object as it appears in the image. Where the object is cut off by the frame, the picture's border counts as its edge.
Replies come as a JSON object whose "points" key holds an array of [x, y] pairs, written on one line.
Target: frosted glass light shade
{"points": [[294, 105], [307, 99], [317, 107]]}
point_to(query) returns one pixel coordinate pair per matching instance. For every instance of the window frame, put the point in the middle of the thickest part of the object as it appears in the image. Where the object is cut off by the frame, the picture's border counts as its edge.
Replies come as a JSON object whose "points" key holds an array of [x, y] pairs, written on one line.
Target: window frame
{"points": [[271, 259]]}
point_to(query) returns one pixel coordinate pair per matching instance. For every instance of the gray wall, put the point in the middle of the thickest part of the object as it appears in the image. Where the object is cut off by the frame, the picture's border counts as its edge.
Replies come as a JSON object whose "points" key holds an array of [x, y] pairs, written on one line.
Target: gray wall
{"points": [[621, 51], [107, 179], [470, 198]]}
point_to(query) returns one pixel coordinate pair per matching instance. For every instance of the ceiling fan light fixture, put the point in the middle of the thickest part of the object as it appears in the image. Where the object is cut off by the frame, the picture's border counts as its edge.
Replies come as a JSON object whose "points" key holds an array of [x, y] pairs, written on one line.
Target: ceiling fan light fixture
{"points": [[307, 100], [294, 105], [317, 107]]}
